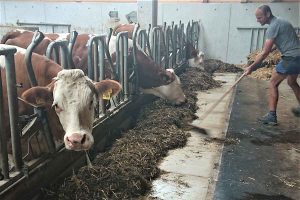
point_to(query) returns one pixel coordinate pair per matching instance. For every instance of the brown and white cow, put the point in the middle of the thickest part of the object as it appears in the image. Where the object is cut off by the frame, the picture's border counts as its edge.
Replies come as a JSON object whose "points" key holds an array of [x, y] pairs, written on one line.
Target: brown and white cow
{"points": [[153, 78], [194, 56], [23, 38], [68, 94], [124, 27]]}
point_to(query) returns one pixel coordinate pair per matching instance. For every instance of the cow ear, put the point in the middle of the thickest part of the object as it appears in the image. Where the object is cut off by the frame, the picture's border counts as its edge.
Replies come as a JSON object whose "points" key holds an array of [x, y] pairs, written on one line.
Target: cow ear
{"points": [[38, 96], [167, 78], [107, 88], [195, 52]]}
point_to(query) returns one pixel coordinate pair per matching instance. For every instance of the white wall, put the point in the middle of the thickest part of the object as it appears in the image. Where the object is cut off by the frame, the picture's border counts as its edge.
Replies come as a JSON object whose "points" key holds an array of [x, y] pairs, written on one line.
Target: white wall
{"points": [[84, 17], [219, 38]]}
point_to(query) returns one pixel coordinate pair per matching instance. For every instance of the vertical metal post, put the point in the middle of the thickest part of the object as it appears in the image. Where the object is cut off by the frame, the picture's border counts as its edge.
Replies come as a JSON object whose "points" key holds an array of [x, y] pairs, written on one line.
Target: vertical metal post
{"points": [[90, 59], [101, 57], [252, 32], [121, 60], [174, 46], [41, 113], [13, 109], [72, 40], [126, 79], [3, 139], [154, 12], [134, 50], [168, 34]]}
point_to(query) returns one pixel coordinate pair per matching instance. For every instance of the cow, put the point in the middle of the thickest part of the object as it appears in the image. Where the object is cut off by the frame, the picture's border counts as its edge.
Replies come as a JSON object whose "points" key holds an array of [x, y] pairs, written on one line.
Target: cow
{"points": [[68, 95], [174, 95], [153, 78], [23, 38], [124, 27], [194, 57]]}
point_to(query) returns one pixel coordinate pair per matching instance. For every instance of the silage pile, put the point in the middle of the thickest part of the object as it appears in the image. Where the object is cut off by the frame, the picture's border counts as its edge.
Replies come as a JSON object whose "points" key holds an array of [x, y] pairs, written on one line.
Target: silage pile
{"points": [[212, 66], [126, 169], [267, 66]]}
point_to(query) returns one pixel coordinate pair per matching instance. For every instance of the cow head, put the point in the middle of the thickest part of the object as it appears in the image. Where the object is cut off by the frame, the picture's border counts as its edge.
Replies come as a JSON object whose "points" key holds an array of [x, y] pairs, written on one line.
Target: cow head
{"points": [[196, 59], [73, 96], [171, 89]]}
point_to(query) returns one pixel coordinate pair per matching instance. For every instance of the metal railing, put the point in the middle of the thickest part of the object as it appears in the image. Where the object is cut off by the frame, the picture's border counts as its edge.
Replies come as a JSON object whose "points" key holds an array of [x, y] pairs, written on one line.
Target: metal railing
{"points": [[53, 26], [96, 64], [173, 55], [122, 64], [157, 44], [258, 36]]}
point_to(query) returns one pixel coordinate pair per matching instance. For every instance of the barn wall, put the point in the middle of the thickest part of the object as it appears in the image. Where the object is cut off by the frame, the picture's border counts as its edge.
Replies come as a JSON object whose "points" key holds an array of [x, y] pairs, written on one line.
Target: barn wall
{"points": [[88, 17], [219, 39]]}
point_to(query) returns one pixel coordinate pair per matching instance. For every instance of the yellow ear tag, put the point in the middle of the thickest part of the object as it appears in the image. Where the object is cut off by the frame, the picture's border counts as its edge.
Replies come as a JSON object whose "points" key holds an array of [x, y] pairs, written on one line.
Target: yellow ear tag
{"points": [[107, 94]]}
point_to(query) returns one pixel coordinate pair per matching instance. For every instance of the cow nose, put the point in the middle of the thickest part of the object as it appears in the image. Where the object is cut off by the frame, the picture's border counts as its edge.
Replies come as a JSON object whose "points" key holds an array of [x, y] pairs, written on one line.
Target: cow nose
{"points": [[76, 138], [180, 103]]}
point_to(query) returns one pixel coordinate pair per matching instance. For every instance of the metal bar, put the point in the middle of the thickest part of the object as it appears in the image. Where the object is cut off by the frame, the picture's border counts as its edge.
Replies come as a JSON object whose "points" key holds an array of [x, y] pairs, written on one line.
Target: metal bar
{"points": [[134, 50], [121, 37], [3, 138], [36, 39], [72, 40], [90, 59], [13, 110], [126, 79], [251, 39], [154, 12], [168, 34], [42, 24], [257, 39], [174, 46], [96, 60], [61, 51], [101, 60]]}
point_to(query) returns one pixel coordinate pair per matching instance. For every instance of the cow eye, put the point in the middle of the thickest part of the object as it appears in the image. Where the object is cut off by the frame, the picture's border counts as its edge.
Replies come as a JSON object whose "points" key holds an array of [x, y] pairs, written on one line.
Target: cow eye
{"points": [[91, 104], [57, 108]]}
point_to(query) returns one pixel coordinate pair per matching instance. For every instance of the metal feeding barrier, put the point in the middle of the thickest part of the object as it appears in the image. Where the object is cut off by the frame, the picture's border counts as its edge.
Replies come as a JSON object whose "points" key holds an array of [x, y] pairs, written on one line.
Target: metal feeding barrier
{"points": [[122, 64], [96, 64], [167, 49], [157, 44]]}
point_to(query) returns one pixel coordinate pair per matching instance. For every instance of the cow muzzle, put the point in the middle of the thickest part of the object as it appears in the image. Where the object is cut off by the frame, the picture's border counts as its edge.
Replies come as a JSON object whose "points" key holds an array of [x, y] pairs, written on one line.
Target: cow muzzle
{"points": [[181, 101], [78, 141]]}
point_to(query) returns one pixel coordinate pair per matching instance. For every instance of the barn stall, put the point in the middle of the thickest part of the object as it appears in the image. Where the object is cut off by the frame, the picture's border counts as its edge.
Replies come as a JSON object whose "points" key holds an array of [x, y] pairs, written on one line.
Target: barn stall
{"points": [[147, 128]]}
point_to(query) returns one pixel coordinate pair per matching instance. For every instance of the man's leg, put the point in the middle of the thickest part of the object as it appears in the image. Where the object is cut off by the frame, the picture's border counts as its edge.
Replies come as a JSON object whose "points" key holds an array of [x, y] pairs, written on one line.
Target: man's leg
{"points": [[271, 118], [292, 81], [275, 81]]}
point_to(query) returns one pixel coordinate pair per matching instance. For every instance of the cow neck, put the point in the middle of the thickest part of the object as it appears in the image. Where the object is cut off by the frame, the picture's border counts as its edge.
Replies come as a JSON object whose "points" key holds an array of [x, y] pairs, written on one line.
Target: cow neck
{"points": [[148, 71]]}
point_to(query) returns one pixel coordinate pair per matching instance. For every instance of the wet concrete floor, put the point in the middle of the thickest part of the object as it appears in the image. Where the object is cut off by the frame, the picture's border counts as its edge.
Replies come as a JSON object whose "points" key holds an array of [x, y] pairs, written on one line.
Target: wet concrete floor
{"points": [[265, 164], [190, 172], [239, 158]]}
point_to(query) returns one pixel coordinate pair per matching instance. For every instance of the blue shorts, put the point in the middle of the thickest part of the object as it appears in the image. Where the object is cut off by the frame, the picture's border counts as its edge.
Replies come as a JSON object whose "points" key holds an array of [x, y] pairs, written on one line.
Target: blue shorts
{"points": [[288, 65]]}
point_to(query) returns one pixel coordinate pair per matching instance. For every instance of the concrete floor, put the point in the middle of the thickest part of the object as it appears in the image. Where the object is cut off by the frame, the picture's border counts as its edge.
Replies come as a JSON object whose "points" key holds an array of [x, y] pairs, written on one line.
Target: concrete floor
{"points": [[191, 172], [265, 162]]}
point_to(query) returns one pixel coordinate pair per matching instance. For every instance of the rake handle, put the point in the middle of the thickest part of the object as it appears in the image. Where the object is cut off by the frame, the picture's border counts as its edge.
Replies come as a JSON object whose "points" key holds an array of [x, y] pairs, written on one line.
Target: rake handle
{"points": [[224, 95]]}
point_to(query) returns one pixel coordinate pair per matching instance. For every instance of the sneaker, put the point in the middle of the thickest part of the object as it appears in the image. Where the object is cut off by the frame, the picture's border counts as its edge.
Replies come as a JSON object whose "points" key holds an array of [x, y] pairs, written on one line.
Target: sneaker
{"points": [[296, 111], [268, 119]]}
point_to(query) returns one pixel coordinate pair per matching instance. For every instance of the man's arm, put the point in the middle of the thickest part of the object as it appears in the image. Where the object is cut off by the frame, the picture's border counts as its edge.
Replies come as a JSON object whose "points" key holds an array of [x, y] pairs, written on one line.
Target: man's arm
{"points": [[260, 57]]}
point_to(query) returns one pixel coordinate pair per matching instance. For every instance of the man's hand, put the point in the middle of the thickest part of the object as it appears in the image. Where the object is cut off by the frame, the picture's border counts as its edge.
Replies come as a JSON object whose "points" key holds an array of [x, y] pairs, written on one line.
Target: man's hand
{"points": [[248, 70]]}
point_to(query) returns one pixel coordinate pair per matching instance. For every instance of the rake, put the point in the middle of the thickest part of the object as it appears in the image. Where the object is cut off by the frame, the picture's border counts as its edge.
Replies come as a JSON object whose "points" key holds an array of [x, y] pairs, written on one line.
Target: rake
{"points": [[203, 130]]}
